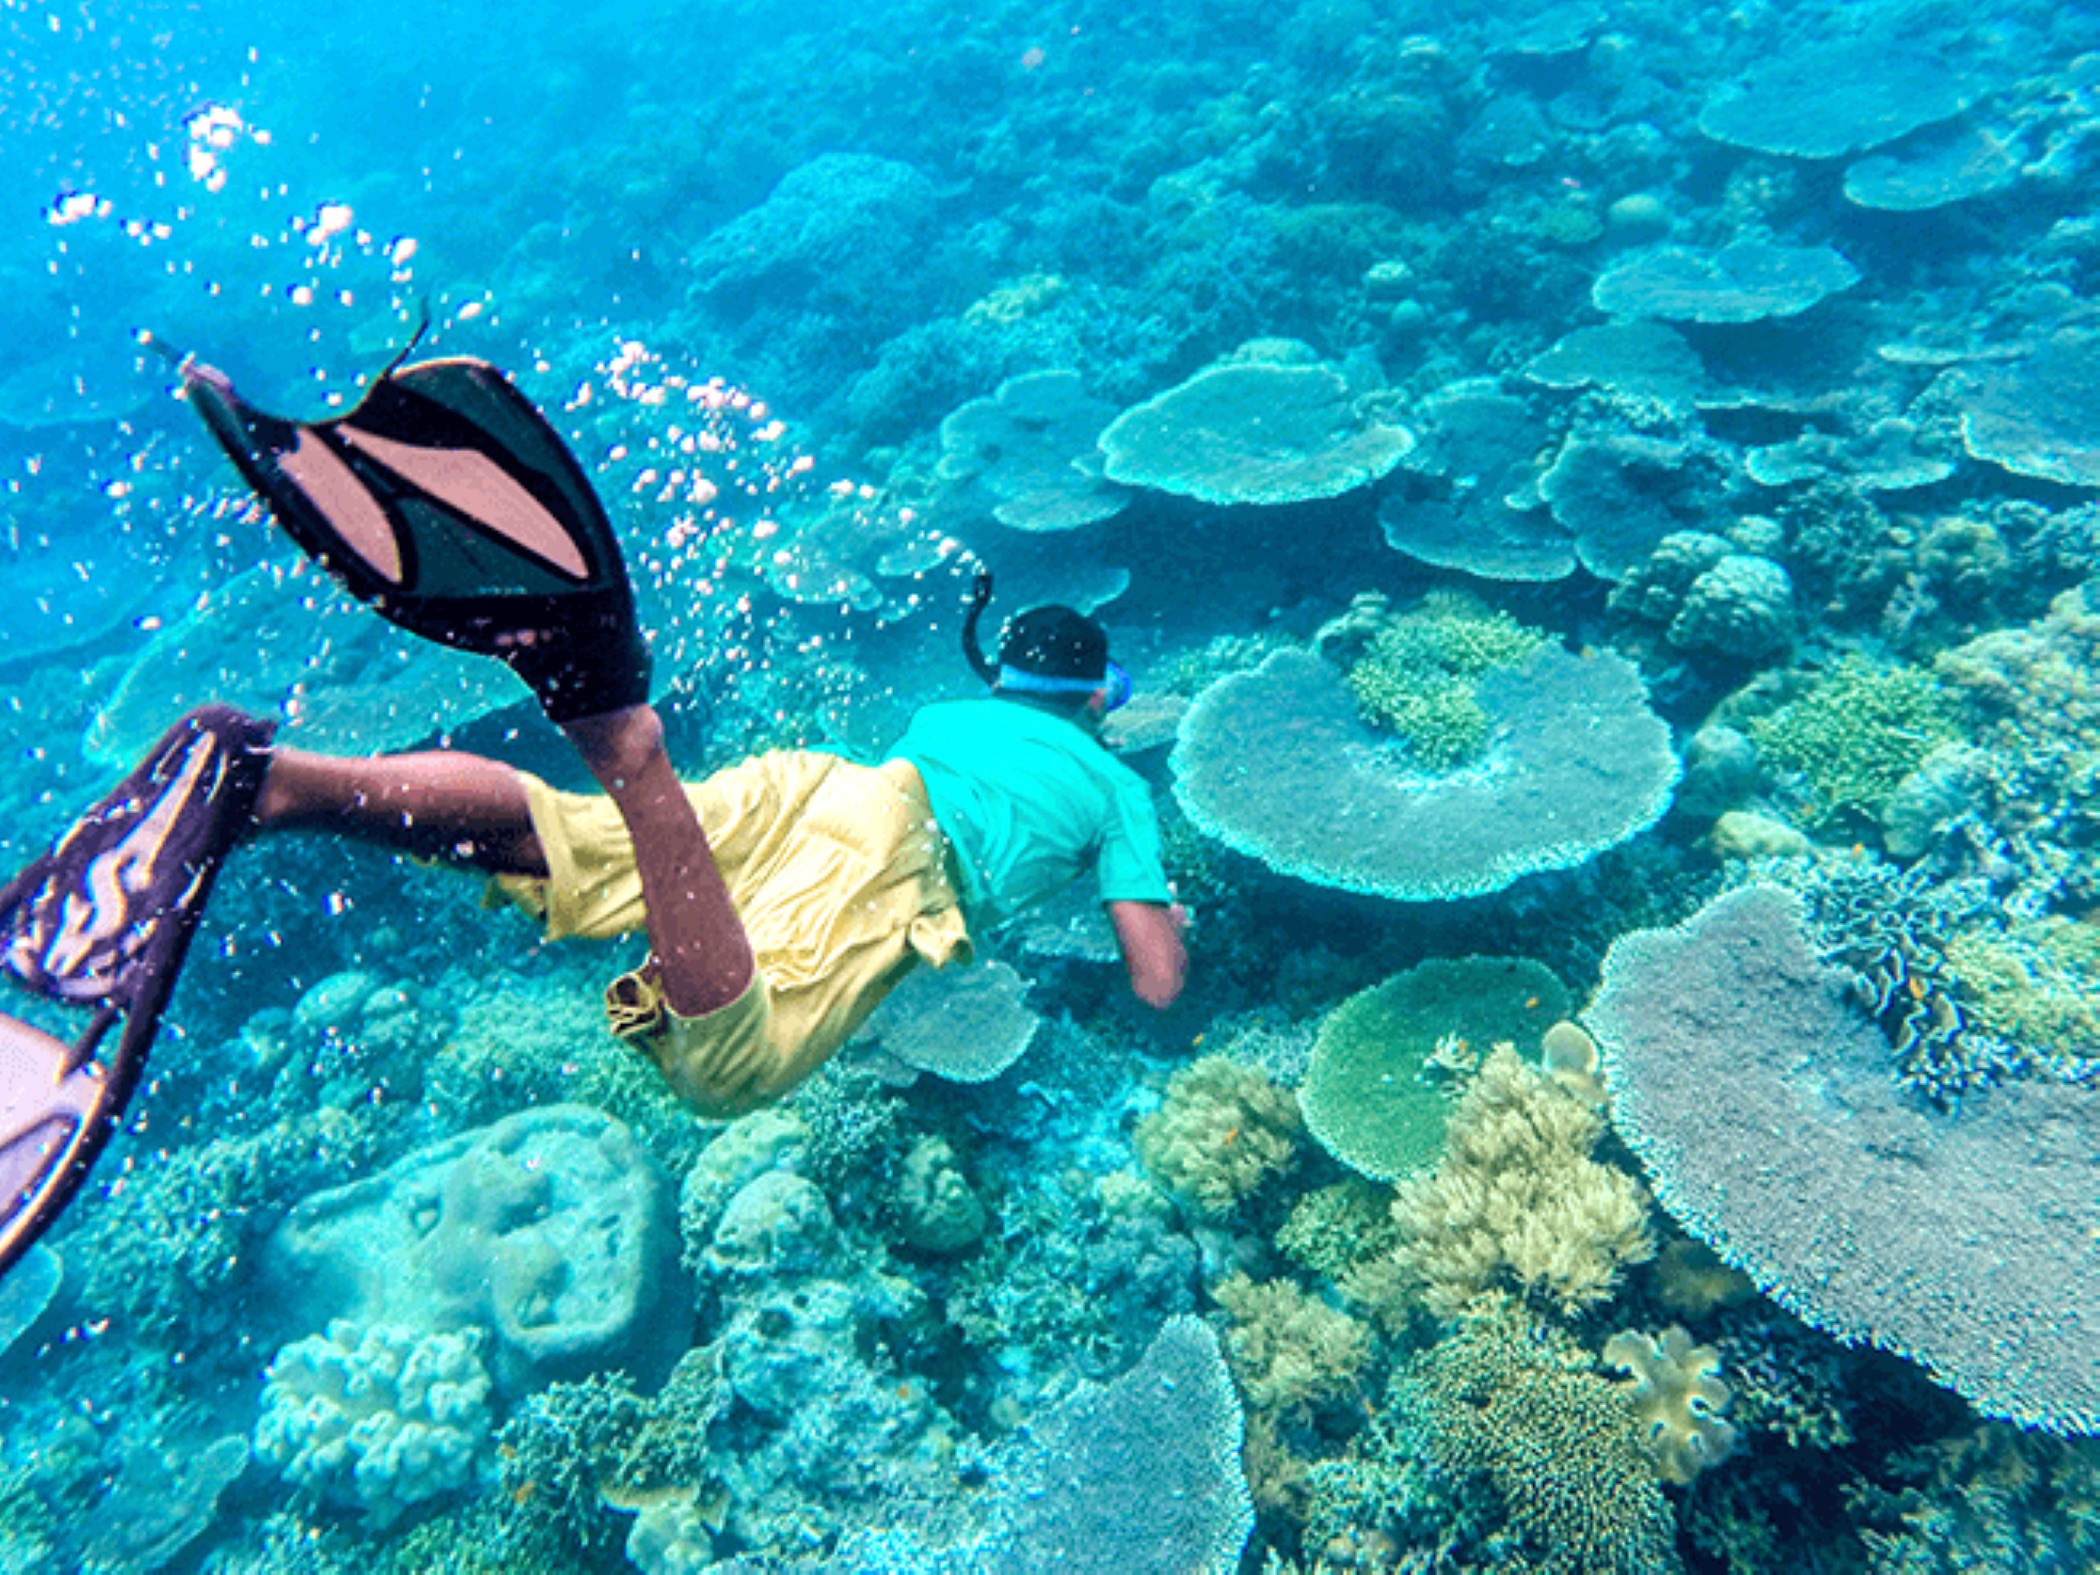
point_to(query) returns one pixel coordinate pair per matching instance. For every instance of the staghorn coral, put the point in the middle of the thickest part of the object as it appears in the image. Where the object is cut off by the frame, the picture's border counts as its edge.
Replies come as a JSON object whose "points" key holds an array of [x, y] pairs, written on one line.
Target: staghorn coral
{"points": [[1517, 1202], [1520, 1404], [1290, 1350], [1223, 1131], [1678, 1396]]}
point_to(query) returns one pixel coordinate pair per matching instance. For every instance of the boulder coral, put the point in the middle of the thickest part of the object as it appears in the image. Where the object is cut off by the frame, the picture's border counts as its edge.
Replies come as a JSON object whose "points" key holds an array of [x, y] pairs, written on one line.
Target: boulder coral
{"points": [[376, 1417]]}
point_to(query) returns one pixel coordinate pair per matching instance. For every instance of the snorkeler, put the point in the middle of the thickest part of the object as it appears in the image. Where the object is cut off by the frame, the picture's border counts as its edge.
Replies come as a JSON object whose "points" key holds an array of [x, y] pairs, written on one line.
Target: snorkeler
{"points": [[783, 897]]}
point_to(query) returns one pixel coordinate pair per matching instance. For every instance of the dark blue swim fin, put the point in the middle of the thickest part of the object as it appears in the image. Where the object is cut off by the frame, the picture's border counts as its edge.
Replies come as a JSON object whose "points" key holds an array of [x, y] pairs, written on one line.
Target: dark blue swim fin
{"points": [[102, 923], [447, 502]]}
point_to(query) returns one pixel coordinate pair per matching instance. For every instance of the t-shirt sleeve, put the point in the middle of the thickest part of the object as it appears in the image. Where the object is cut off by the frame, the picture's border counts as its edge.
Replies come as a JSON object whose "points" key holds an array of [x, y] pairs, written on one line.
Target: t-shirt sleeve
{"points": [[1130, 868]]}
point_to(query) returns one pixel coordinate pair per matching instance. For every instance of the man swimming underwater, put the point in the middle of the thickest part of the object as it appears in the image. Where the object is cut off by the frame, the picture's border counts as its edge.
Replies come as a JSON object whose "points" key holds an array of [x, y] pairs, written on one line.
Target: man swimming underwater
{"points": [[783, 897]]}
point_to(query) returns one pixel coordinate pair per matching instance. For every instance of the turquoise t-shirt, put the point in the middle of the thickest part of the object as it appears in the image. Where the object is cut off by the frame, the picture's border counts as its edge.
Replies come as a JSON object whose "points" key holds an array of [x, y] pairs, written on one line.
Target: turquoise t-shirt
{"points": [[1029, 801]]}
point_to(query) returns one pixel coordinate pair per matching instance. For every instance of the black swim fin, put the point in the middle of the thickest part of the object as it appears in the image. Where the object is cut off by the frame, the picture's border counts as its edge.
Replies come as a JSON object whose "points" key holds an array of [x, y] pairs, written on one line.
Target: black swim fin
{"points": [[103, 922], [451, 506]]}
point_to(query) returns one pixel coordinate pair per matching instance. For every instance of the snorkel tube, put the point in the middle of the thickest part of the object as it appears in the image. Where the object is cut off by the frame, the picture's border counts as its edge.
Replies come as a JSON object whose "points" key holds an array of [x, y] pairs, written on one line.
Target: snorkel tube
{"points": [[973, 652], [1019, 680]]}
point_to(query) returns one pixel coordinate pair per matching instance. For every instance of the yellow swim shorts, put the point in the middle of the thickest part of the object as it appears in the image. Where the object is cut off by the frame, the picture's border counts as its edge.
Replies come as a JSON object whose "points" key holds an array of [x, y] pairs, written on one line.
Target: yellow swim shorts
{"points": [[839, 872]]}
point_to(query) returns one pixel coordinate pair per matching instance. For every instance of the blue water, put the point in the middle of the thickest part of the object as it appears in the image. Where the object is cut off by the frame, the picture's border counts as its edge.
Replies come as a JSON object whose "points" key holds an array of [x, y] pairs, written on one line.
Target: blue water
{"points": [[1544, 469]]}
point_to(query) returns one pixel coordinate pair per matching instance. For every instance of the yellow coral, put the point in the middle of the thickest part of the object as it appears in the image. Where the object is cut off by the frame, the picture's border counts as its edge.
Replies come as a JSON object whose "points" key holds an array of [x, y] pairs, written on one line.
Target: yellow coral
{"points": [[1225, 1129], [1679, 1397], [1516, 1199], [1289, 1350]]}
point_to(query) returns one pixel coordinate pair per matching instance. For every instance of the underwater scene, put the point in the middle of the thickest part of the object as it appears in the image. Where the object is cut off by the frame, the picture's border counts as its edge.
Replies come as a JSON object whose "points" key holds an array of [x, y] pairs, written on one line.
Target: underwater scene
{"points": [[1600, 507]]}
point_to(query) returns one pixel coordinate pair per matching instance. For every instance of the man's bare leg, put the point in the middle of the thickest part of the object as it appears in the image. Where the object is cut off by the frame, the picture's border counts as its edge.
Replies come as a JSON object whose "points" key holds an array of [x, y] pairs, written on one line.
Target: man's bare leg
{"points": [[466, 809], [701, 948]]}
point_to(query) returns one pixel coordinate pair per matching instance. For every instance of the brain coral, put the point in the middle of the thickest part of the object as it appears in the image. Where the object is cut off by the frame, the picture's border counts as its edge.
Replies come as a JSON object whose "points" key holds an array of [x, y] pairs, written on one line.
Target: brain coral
{"points": [[1742, 282], [1279, 763], [1254, 432], [1825, 102], [1370, 1097], [1963, 1243]]}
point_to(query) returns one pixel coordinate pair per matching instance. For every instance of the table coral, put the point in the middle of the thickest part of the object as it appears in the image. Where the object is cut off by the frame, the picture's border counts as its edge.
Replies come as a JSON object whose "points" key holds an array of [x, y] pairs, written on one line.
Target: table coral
{"points": [[1031, 445], [2035, 416], [1826, 101], [1962, 1243], [1678, 1396], [1742, 282], [376, 1417], [1377, 1090], [1468, 498], [1254, 432], [1279, 764]]}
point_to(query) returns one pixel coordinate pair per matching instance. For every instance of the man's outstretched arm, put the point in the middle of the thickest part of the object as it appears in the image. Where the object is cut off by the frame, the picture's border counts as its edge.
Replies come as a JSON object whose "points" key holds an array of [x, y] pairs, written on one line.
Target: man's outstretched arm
{"points": [[1149, 936], [700, 945]]}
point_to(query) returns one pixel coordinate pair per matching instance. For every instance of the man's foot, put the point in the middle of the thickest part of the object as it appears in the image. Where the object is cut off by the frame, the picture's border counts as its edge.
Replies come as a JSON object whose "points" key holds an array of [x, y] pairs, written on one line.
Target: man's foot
{"points": [[72, 922], [447, 502]]}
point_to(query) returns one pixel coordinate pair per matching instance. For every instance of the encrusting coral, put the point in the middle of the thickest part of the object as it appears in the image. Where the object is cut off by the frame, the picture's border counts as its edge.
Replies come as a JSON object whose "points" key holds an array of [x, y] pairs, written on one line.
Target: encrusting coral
{"points": [[1679, 1397], [1516, 1202], [1224, 1130]]}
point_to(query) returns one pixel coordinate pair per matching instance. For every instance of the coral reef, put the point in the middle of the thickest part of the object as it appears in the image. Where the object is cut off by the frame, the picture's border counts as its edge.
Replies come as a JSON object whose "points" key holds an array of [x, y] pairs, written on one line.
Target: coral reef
{"points": [[1854, 735], [1289, 1350]]}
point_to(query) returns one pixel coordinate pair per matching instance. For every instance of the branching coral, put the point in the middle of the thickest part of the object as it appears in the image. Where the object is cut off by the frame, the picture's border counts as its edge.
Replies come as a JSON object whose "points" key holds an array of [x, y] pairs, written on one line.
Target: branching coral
{"points": [[1522, 1406], [1856, 733], [1223, 1131], [1518, 1202], [1417, 677]]}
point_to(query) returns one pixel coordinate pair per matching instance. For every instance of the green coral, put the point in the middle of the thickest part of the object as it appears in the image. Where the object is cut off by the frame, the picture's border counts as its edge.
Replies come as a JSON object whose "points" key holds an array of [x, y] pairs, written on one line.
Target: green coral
{"points": [[1224, 1129], [2034, 984], [1418, 676], [1857, 732], [1522, 1405], [1376, 1092]]}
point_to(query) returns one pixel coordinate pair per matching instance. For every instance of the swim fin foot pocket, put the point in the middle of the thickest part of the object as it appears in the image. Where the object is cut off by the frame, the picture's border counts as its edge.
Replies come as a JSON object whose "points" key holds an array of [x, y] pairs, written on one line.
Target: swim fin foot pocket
{"points": [[447, 502], [102, 922]]}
